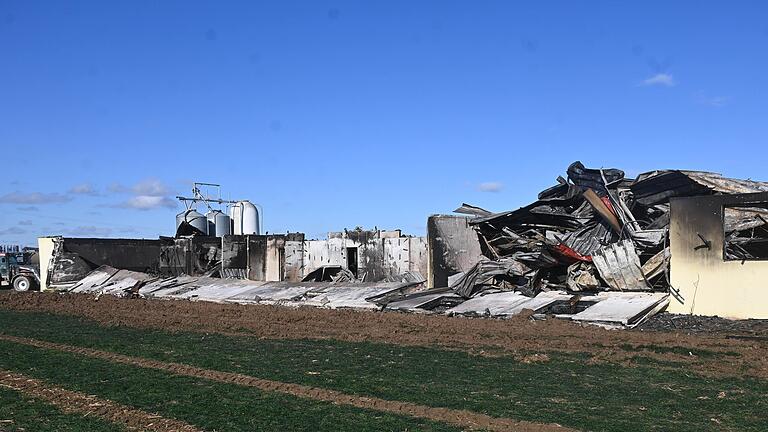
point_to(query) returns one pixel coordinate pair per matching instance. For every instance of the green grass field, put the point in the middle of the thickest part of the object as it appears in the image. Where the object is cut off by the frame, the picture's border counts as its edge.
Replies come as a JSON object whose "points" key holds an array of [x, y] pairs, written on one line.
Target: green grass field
{"points": [[19, 414], [209, 405], [567, 389]]}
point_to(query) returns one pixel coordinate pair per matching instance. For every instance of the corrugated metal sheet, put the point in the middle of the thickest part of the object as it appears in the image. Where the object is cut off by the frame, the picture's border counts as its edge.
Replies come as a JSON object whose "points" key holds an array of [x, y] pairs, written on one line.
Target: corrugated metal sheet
{"points": [[109, 280], [658, 186], [619, 266], [726, 185], [622, 308], [505, 304]]}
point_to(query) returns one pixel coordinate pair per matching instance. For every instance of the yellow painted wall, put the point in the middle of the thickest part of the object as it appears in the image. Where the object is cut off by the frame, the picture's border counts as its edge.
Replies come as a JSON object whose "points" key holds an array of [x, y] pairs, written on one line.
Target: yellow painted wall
{"points": [[707, 283]]}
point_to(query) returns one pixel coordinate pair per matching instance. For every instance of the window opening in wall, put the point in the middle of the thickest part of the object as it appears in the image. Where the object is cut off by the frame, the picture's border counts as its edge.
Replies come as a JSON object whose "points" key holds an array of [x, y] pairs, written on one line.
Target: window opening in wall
{"points": [[746, 232]]}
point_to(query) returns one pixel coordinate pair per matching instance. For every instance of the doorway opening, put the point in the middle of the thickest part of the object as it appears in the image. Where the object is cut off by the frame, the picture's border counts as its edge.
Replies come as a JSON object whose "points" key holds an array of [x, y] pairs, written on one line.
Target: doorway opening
{"points": [[352, 260]]}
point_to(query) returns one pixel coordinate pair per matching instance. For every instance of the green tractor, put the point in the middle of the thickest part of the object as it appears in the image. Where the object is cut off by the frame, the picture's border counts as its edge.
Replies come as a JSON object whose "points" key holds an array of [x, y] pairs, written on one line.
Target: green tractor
{"points": [[19, 277]]}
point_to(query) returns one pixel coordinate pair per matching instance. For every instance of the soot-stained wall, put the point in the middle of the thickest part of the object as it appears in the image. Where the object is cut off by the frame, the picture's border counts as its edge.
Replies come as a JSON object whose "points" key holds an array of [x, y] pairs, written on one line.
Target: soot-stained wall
{"points": [[453, 248], [379, 254], [703, 282]]}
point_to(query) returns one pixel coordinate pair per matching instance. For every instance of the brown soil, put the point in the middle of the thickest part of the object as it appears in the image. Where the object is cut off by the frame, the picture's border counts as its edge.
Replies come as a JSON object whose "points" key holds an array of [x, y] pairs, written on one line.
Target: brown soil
{"points": [[461, 418], [78, 403], [518, 336]]}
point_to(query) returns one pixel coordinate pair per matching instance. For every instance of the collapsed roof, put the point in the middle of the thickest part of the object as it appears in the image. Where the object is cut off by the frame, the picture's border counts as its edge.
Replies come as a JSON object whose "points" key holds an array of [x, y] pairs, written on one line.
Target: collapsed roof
{"points": [[597, 231]]}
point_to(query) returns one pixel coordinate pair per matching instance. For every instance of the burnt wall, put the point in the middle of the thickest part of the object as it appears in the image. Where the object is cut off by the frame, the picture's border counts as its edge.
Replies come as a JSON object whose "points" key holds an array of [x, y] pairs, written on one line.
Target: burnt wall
{"points": [[234, 252], [702, 281], [261, 256], [129, 254], [257, 258], [453, 248]]}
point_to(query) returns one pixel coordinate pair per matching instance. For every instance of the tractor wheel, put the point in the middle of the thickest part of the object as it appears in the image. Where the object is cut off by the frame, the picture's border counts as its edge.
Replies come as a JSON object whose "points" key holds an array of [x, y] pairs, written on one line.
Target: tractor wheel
{"points": [[22, 283]]}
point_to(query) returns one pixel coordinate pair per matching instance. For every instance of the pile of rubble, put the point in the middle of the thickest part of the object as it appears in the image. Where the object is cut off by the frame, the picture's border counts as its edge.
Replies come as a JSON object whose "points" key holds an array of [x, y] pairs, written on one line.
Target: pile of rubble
{"points": [[599, 231]]}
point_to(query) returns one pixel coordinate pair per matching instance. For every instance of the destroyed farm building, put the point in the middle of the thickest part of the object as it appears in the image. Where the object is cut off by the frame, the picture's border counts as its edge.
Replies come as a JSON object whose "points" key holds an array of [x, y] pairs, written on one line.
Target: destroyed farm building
{"points": [[596, 247]]}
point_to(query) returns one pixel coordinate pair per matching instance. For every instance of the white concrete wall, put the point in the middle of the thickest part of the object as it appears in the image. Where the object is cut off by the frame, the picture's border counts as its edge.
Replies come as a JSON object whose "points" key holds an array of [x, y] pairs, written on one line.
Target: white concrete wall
{"points": [[294, 260], [419, 255], [46, 245], [275, 266], [398, 255]]}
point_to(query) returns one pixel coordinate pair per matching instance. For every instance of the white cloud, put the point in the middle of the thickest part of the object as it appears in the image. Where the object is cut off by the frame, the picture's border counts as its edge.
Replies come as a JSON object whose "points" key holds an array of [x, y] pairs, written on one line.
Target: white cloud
{"points": [[490, 187], [147, 194], [118, 188], [150, 187], [148, 202], [84, 189], [662, 79], [34, 198], [712, 101]]}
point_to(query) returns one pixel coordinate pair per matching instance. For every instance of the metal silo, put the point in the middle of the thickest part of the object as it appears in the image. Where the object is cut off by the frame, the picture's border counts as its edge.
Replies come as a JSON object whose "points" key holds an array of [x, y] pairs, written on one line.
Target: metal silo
{"points": [[193, 218], [179, 219], [210, 219], [218, 223], [223, 225], [234, 219], [245, 218]]}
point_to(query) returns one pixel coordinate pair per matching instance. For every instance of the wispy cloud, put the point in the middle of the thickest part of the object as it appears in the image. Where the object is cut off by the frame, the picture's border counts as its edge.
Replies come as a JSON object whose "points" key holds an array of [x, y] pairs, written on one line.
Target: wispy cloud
{"points": [[147, 202], [34, 198], [711, 101], [84, 189], [660, 79], [151, 187], [13, 231], [118, 188], [28, 209], [148, 194], [490, 187], [25, 222]]}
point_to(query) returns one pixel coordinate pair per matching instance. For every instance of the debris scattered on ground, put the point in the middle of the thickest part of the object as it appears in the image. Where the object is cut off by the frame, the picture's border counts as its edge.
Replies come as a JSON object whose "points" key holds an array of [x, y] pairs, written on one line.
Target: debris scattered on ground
{"points": [[337, 294], [693, 324], [404, 293]]}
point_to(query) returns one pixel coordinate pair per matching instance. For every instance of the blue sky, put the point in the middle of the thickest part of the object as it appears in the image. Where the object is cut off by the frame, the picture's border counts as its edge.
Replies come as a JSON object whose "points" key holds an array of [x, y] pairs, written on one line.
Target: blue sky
{"points": [[377, 113]]}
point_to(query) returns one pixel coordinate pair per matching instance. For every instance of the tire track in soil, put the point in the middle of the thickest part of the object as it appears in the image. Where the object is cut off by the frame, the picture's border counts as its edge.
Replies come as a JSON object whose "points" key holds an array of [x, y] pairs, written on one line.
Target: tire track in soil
{"points": [[462, 418], [78, 403]]}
